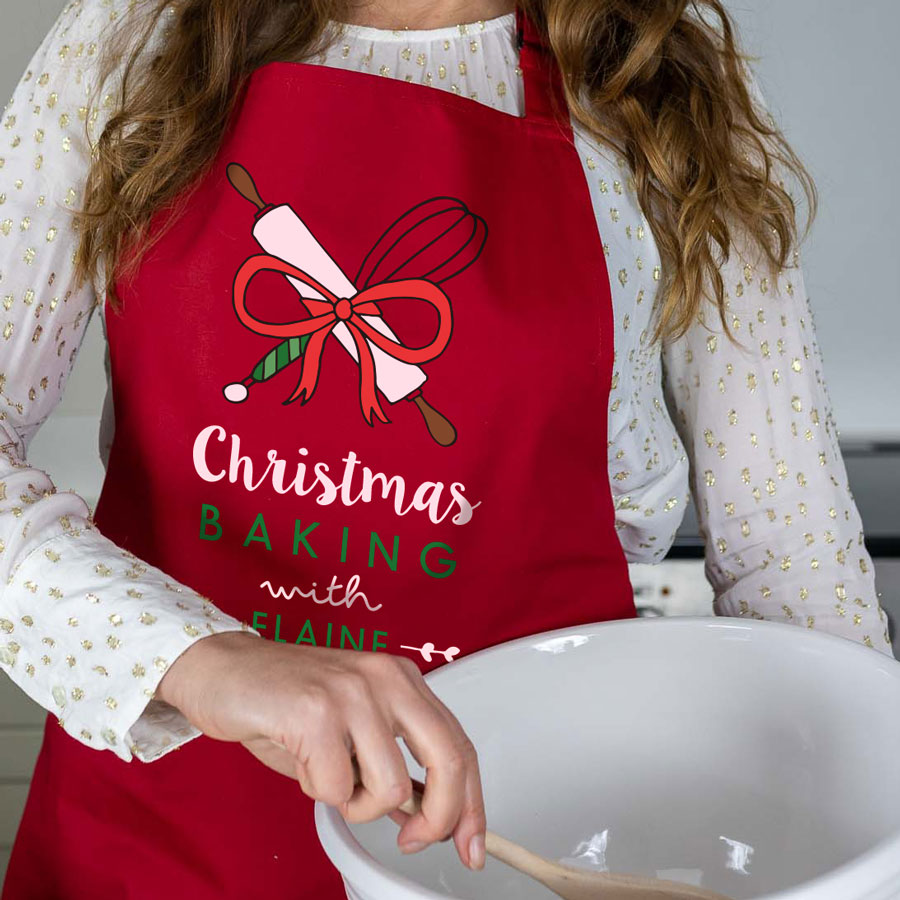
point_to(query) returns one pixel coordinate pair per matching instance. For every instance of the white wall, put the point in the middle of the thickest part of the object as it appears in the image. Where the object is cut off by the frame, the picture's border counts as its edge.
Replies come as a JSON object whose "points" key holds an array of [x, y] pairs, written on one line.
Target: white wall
{"points": [[66, 445], [830, 72]]}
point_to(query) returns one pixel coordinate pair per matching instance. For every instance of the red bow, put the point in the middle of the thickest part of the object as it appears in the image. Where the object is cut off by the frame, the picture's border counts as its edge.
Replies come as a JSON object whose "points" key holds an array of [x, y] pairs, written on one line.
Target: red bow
{"points": [[326, 314]]}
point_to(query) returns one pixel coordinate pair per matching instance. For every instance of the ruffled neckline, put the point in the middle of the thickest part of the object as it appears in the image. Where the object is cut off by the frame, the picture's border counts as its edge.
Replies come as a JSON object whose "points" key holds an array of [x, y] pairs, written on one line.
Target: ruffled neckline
{"points": [[463, 31]]}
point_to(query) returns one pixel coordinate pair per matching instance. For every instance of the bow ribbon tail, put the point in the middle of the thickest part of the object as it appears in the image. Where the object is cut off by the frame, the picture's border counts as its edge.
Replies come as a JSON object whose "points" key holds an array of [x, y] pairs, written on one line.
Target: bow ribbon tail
{"points": [[368, 396], [312, 366]]}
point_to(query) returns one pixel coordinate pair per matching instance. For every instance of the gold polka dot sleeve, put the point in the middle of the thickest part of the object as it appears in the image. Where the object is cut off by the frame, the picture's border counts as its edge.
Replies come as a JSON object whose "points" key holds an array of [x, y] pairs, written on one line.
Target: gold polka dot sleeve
{"points": [[784, 540], [86, 630]]}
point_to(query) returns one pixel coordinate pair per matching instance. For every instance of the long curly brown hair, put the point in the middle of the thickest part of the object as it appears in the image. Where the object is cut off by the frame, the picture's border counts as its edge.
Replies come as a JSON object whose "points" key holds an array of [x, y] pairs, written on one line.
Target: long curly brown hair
{"points": [[661, 82]]}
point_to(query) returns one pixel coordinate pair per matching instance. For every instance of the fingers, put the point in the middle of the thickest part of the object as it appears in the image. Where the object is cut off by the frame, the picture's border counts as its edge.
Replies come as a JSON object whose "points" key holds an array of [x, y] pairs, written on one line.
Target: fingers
{"points": [[334, 704], [384, 780], [469, 832], [447, 755], [274, 755], [399, 817], [468, 835], [324, 770]]}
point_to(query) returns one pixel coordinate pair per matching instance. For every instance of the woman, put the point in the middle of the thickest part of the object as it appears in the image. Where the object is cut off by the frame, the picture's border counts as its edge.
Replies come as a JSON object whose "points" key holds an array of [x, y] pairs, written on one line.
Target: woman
{"points": [[527, 228]]}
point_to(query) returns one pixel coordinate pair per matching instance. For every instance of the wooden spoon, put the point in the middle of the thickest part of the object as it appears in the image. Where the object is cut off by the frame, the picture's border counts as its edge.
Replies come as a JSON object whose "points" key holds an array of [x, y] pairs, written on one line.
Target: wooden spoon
{"points": [[567, 881]]}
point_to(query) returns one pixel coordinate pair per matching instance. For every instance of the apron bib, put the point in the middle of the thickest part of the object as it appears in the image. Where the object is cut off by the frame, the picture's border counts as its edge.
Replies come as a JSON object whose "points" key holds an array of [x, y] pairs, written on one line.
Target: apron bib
{"points": [[361, 403]]}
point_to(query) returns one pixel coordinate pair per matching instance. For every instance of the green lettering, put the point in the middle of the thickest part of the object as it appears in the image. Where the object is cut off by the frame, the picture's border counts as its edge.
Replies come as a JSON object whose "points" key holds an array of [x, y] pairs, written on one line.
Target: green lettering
{"points": [[345, 632], [306, 635], [449, 564], [278, 636], [300, 537], [376, 644], [256, 616], [391, 560], [209, 518], [263, 537]]}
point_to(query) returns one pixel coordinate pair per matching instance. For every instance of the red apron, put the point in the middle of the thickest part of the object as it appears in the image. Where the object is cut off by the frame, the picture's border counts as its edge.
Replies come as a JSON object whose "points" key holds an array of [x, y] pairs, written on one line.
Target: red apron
{"points": [[370, 414]]}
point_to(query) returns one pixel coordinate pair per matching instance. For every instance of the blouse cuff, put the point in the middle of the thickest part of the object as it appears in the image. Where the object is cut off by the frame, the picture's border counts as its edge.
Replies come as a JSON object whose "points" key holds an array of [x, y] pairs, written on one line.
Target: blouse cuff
{"points": [[88, 631], [861, 622]]}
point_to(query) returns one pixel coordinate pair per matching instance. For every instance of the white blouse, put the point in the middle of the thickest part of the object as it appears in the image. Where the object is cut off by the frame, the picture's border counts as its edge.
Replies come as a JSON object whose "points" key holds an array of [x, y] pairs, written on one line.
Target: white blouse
{"points": [[87, 629]]}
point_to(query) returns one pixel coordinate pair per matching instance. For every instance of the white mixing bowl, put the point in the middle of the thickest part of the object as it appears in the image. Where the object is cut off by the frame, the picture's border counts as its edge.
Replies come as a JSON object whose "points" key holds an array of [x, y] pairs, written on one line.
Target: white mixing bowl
{"points": [[755, 759]]}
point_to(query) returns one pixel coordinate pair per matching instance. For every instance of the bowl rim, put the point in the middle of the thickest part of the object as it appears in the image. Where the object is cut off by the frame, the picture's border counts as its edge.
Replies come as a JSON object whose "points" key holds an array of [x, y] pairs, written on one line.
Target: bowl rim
{"points": [[863, 877]]}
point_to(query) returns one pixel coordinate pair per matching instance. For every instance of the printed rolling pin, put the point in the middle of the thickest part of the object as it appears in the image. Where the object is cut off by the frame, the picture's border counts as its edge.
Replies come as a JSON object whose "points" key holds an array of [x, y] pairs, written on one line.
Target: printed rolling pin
{"points": [[283, 234]]}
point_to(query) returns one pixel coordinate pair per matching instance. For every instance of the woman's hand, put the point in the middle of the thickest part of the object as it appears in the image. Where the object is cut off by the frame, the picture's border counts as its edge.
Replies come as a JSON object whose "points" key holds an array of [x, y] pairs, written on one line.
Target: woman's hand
{"points": [[302, 710]]}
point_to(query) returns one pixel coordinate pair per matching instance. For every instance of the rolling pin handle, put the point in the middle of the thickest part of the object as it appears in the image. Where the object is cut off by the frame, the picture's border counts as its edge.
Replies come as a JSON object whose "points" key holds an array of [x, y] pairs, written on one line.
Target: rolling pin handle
{"points": [[439, 426], [242, 181]]}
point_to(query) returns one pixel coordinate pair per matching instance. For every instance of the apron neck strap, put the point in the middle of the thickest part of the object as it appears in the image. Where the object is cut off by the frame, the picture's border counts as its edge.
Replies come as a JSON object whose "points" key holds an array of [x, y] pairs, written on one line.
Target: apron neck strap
{"points": [[545, 100]]}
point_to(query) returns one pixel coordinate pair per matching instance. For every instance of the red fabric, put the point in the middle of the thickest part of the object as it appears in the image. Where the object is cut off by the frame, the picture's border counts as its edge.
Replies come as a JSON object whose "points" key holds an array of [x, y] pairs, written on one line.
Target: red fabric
{"points": [[524, 378]]}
